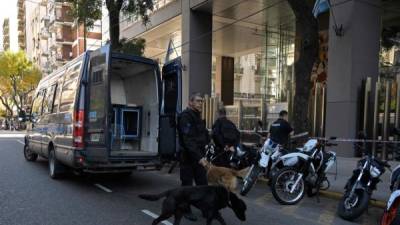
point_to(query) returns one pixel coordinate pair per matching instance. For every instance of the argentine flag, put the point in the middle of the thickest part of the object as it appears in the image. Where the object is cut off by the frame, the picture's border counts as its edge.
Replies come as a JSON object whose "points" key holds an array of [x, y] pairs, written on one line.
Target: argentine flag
{"points": [[320, 6]]}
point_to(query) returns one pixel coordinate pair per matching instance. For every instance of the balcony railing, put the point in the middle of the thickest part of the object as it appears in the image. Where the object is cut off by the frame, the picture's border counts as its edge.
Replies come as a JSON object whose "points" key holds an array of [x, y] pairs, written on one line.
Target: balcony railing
{"points": [[64, 20], [59, 57], [158, 4], [46, 18], [44, 33], [52, 19], [64, 41]]}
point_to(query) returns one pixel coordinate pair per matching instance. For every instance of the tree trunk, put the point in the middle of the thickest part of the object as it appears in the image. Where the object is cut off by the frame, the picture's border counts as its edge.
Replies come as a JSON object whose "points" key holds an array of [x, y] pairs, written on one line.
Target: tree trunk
{"points": [[114, 7], [4, 101], [307, 31], [15, 94], [84, 36]]}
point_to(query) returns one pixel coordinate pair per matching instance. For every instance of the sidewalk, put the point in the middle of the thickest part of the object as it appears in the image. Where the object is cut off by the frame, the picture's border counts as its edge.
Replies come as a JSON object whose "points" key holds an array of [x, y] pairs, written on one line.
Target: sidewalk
{"points": [[12, 134]]}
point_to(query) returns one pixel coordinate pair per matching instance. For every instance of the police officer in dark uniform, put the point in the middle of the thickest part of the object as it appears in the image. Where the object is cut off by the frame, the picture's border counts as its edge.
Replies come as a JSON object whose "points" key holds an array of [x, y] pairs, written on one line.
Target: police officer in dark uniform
{"points": [[193, 137], [281, 129], [226, 137]]}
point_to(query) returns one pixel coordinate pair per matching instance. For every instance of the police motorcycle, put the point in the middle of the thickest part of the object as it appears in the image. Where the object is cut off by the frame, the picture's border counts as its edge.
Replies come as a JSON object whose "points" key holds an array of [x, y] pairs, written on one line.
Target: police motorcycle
{"points": [[266, 162], [391, 216], [303, 171], [359, 187], [242, 156]]}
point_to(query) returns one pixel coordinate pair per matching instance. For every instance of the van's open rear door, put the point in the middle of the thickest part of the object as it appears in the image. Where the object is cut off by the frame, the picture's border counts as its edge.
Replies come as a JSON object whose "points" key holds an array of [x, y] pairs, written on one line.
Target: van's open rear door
{"points": [[171, 104], [97, 103]]}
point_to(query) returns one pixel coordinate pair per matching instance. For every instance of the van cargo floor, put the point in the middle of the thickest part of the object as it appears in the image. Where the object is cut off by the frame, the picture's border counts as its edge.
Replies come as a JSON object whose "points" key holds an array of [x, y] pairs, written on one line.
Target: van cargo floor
{"points": [[132, 153]]}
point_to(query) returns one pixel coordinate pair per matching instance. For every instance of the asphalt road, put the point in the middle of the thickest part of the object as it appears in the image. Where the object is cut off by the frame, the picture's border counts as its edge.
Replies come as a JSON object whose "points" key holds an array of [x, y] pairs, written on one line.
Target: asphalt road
{"points": [[29, 196]]}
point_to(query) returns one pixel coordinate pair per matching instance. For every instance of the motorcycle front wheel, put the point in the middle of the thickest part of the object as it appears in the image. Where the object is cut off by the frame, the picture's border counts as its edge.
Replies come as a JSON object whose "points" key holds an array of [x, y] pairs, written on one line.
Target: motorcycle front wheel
{"points": [[352, 207], [282, 185], [250, 179]]}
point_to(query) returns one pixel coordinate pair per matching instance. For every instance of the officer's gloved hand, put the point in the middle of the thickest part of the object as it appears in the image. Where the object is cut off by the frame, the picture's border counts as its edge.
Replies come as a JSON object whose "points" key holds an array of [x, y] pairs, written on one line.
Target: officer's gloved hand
{"points": [[203, 162], [229, 148]]}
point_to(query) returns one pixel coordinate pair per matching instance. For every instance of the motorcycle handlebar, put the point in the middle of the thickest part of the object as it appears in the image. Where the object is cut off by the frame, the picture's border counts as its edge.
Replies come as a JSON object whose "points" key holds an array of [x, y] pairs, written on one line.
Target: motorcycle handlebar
{"points": [[299, 135], [383, 163]]}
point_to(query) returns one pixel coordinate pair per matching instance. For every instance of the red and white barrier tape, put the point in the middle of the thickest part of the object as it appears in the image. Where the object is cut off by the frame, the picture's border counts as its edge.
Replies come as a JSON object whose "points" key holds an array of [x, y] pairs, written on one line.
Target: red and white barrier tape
{"points": [[355, 140]]}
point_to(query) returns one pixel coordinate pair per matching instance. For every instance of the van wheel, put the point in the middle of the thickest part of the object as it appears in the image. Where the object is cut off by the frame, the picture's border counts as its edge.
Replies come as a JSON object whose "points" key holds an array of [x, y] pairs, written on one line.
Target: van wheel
{"points": [[29, 155], [56, 169]]}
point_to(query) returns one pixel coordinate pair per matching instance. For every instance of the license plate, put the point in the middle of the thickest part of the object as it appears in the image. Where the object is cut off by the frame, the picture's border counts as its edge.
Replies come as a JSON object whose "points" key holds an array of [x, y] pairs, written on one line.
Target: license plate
{"points": [[264, 160]]}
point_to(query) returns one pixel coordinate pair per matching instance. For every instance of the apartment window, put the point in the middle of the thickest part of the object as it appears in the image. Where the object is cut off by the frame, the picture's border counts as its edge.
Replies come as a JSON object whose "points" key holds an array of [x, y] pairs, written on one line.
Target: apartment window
{"points": [[59, 33], [58, 13]]}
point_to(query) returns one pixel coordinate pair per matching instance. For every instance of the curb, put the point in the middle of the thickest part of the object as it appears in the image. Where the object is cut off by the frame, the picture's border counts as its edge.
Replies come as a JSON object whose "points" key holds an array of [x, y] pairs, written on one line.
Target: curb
{"points": [[337, 196]]}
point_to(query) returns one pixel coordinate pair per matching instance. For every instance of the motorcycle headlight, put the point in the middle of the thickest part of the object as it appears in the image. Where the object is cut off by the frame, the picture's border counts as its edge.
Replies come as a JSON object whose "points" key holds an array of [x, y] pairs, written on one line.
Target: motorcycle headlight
{"points": [[375, 172], [239, 152]]}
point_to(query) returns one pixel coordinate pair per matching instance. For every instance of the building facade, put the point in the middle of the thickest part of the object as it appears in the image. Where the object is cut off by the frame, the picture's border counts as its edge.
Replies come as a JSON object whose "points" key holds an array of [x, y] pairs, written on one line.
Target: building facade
{"points": [[6, 34], [57, 37], [30, 7], [241, 52], [93, 38], [244, 53], [21, 24]]}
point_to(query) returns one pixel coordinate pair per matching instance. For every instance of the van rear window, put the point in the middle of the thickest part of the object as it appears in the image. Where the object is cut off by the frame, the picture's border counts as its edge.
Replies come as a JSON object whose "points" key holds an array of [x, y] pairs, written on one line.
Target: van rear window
{"points": [[97, 77]]}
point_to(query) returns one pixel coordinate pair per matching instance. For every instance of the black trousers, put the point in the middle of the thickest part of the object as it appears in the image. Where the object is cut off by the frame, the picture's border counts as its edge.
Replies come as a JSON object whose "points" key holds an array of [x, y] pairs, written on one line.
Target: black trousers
{"points": [[193, 172]]}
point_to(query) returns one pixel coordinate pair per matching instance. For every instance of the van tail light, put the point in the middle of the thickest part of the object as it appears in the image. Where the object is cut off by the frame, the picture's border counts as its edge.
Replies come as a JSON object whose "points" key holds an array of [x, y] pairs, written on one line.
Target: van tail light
{"points": [[78, 128]]}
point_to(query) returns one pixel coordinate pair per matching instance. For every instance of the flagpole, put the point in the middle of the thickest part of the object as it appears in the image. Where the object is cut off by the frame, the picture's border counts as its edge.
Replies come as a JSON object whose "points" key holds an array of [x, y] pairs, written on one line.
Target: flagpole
{"points": [[338, 30]]}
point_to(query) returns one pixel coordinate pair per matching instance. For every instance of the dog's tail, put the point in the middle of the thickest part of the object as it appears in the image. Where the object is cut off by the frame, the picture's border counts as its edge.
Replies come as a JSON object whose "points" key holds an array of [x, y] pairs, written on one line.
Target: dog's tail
{"points": [[153, 197], [241, 173]]}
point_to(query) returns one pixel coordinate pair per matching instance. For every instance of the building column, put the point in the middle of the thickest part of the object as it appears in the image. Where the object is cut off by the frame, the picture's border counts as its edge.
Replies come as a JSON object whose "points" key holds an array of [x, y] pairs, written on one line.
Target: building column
{"points": [[351, 58], [196, 52], [224, 79]]}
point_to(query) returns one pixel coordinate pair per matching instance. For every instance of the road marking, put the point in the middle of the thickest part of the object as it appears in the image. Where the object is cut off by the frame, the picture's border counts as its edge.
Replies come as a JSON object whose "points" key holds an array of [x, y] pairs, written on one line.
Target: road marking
{"points": [[21, 142], [103, 188], [154, 216]]}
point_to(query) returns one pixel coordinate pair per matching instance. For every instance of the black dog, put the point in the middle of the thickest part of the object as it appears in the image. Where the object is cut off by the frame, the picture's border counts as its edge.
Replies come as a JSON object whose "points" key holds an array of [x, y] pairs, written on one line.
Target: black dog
{"points": [[209, 199]]}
